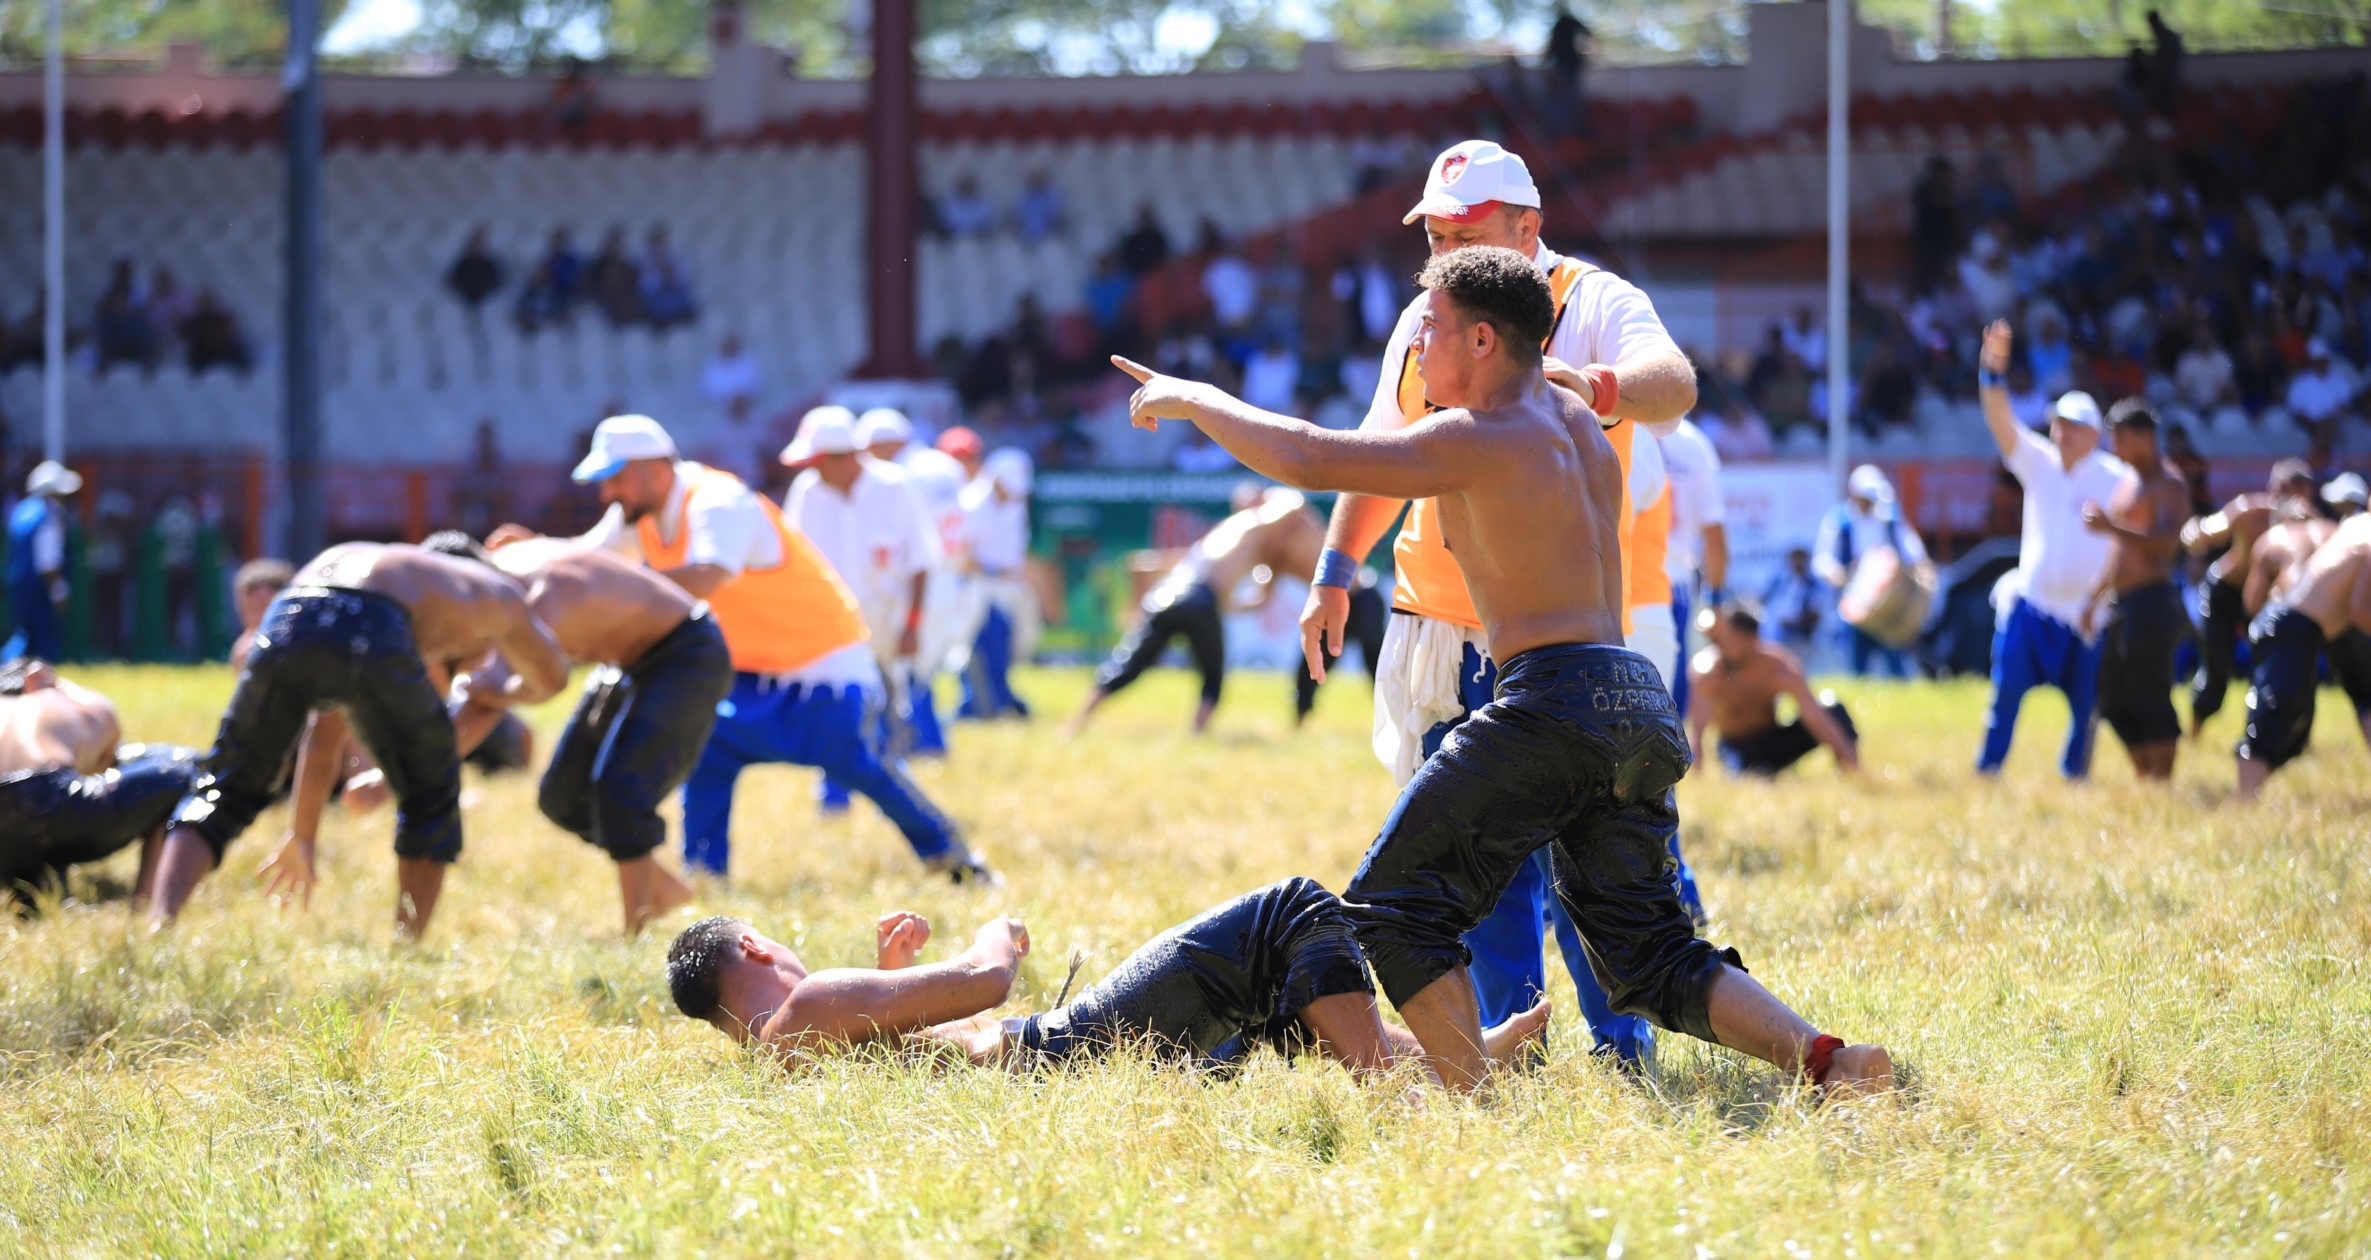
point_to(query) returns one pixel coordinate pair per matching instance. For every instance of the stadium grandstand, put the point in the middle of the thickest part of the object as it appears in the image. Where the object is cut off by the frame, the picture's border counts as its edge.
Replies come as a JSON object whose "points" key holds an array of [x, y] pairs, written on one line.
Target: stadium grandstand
{"points": [[695, 249]]}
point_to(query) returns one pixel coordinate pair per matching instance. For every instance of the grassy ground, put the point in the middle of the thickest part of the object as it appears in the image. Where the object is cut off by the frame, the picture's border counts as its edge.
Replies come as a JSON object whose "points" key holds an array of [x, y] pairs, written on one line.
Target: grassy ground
{"points": [[2133, 1022]]}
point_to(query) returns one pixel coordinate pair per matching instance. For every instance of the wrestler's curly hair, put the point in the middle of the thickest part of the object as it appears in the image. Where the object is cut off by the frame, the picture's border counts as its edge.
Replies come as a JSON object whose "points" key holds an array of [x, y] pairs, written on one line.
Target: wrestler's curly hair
{"points": [[2133, 413], [1498, 287], [696, 959]]}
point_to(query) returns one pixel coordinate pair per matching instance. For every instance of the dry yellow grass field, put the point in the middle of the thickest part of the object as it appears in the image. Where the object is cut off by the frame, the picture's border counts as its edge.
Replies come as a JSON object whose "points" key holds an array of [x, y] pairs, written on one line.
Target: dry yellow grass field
{"points": [[2131, 1022]]}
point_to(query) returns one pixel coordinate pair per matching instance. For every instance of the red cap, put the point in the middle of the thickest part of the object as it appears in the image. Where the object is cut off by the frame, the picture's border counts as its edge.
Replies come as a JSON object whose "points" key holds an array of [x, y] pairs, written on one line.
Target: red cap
{"points": [[960, 442]]}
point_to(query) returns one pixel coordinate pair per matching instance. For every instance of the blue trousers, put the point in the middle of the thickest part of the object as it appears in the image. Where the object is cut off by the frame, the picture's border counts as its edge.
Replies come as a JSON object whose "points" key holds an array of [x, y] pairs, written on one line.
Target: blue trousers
{"points": [[901, 726], [987, 689], [1509, 946], [2033, 649], [36, 621], [762, 722], [1871, 659]]}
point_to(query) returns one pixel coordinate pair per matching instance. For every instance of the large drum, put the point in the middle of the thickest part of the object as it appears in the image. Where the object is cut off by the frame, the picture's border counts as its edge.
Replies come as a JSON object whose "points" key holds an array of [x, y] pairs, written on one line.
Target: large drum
{"points": [[1886, 599]]}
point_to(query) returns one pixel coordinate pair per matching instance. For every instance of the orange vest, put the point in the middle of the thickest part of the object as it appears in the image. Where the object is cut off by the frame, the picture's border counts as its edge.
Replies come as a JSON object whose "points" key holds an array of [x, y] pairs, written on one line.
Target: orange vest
{"points": [[1425, 577], [1651, 535], [774, 620]]}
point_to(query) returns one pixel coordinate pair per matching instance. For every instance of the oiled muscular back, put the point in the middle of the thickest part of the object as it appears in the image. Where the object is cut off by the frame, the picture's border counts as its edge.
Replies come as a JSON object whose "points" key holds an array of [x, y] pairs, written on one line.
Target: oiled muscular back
{"points": [[57, 725], [601, 608], [2333, 584], [459, 608], [2279, 557], [1536, 536]]}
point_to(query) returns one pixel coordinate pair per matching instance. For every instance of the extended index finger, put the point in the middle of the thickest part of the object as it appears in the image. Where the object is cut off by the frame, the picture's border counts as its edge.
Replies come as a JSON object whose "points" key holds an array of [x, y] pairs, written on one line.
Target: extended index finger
{"points": [[1132, 367]]}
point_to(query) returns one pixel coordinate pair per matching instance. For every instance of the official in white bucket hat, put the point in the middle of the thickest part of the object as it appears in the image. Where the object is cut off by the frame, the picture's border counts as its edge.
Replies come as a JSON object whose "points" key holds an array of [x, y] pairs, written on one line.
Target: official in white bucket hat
{"points": [[37, 585]]}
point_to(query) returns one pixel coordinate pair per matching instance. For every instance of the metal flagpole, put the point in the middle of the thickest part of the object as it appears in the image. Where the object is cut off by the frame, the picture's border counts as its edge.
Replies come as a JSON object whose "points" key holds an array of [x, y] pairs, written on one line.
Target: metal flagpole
{"points": [[300, 88], [53, 240], [1839, 236]]}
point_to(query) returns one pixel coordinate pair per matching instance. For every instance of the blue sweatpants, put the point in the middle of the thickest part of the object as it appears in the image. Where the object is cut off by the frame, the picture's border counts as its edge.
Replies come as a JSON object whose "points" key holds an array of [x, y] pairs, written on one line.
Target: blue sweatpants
{"points": [[766, 722], [987, 688], [1509, 946], [36, 621], [924, 736], [2034, 649]]}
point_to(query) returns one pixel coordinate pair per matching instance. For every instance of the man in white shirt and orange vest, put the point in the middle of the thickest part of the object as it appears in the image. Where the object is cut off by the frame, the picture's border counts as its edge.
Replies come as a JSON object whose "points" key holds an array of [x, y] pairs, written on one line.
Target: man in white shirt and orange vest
{"points": [[1608, 346], [863, 518], [803, 672]]}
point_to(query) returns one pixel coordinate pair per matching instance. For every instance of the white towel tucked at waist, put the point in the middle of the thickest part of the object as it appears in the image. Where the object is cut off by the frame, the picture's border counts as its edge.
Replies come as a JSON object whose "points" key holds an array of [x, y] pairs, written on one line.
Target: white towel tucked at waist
{"points": [[1416, 687]]}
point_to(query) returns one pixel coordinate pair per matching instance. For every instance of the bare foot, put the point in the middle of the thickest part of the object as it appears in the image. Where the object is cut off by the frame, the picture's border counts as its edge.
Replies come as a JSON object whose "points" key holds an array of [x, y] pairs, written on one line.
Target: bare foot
{"points": [[1858, 1072], [1522, 1034], [649, 891]]}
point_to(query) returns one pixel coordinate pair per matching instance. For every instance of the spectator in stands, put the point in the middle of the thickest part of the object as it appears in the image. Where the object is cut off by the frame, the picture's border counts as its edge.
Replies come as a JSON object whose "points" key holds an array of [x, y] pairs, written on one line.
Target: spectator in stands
{"points": [[1807, 340], [1272, 377], [2183, 455], [613, 281], [211, 337], [1371, 298], [1041, 213], [21, 341], [1568, 60], [475, 274], [2050, 357], [481, 494], [548, 298], [573, 100], [1934, 225], [1738, 432], [666, 283], [2324, 391], [2027, 402], [1233, 289], [1984, 273], [965, 212], [2165, 70], [169, 305], [1145, 246], [2203, 375], [126, 335], [1110, 290], [732, 379]]}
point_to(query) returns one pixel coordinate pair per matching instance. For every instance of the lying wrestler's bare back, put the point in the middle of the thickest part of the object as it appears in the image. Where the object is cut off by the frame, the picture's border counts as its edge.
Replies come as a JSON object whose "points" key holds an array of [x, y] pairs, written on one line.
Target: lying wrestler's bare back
{"points": [[53, 723], [600, 608], [460, 610]]}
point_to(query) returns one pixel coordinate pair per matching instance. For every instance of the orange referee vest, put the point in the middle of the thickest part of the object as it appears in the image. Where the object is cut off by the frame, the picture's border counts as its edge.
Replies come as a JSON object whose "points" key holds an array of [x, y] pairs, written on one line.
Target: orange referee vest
{"points": [[774, 620], [1650, 535], [1426, 580]]}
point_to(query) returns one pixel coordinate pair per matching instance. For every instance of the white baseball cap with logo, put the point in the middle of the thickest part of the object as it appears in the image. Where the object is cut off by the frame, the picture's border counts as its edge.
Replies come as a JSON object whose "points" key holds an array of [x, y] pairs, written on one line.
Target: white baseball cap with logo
{"points": [[619, 441], [2347, 488], [827, 430], [53, 479], [2076, 407], [1870, 482], [1471, 179], [883, 424]]}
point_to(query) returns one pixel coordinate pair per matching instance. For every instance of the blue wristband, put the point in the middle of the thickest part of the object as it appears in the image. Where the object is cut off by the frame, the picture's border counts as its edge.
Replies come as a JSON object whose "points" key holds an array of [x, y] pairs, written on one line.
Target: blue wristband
{"points": [[1990, 380], [1335, 567]]}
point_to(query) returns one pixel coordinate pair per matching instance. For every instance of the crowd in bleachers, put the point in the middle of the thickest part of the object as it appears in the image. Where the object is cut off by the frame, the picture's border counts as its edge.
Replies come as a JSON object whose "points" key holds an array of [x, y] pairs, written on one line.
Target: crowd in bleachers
{"points": [[136, 324], [651, 290]]}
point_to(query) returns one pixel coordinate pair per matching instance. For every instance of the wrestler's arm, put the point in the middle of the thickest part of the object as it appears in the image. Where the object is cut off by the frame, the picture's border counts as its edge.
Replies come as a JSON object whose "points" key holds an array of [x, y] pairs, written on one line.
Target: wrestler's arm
{"points": [[538, 668], [1656, 388], [1699, 714], [848, 1005], [1437, 455], [1823, 727], [320, 759]]}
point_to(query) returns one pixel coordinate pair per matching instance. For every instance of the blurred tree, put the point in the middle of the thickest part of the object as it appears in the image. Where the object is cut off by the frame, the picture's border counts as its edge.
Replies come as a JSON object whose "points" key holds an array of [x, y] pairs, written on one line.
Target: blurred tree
{"points": [[238, 31]]}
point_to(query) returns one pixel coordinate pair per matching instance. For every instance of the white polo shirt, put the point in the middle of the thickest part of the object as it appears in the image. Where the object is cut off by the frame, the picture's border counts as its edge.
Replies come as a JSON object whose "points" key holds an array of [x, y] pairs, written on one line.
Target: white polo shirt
{"points": [[875, 536], [1608, 319], [2058, 558], [728, 525], [1694, 468], [999, 529], [936, 478]]}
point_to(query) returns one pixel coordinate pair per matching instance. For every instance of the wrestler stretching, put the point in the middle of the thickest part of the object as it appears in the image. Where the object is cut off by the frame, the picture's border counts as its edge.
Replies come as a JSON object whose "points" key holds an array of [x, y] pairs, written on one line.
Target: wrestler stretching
{"points": [[646, 712], [363, 634], [1580, 747], [69, 793], [1736, 685], [1278, 966]]}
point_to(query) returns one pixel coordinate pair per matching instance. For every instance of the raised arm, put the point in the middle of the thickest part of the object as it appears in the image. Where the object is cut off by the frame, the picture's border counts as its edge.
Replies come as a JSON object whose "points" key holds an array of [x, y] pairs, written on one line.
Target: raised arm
{"points": [[1820, 723], [1992, 388], [1438, 455]]}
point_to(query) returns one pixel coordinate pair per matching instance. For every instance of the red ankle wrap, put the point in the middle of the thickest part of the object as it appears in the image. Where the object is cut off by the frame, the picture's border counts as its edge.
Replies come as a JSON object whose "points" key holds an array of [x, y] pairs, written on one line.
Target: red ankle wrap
{"points": [[1821, 1056]]}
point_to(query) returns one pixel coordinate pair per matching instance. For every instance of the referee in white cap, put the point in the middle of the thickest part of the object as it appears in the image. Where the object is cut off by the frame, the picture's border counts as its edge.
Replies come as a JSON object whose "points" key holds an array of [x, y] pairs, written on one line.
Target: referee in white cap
{"points": [[2042, 639]]}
